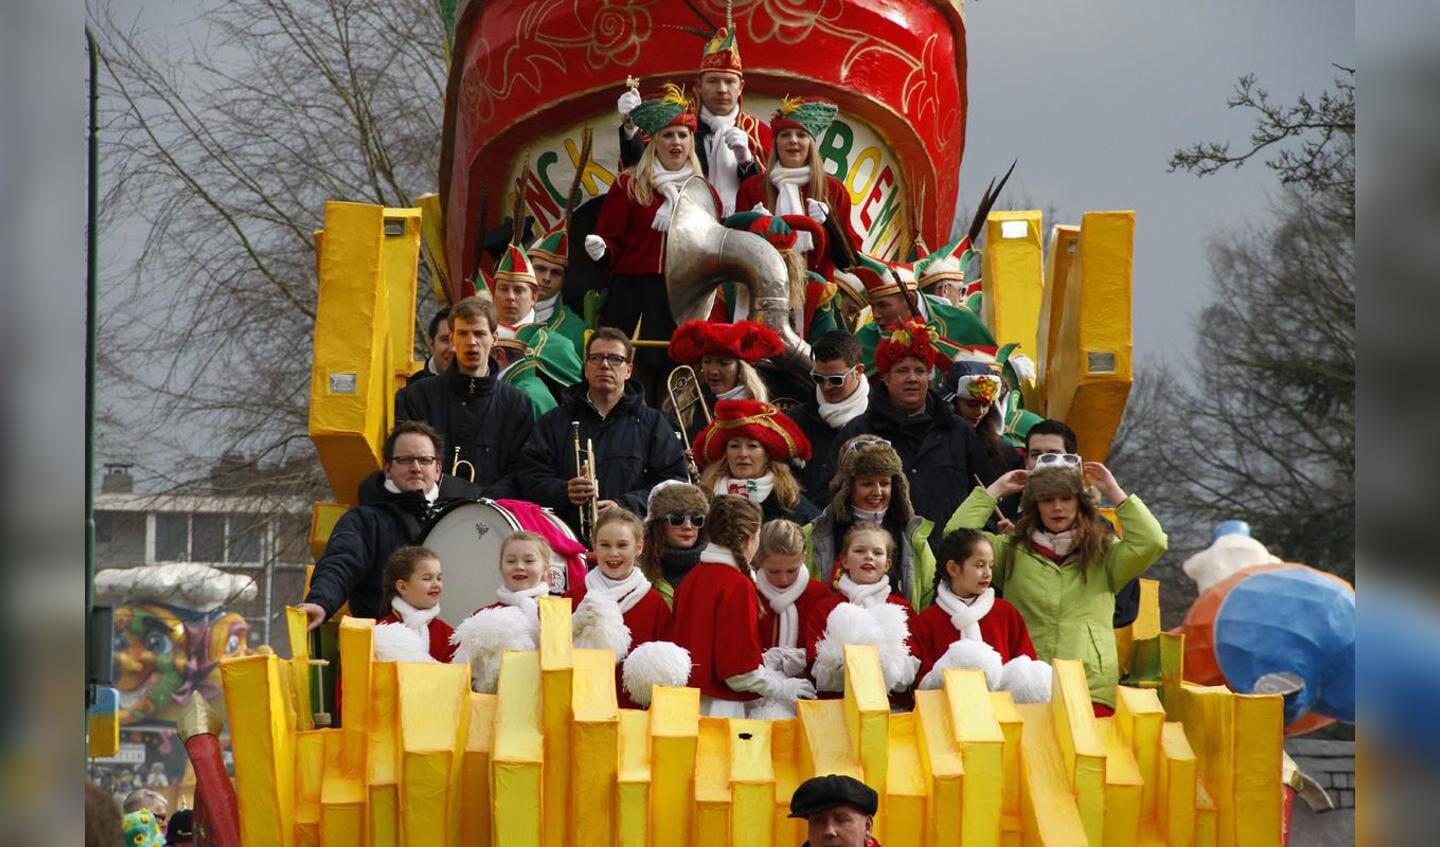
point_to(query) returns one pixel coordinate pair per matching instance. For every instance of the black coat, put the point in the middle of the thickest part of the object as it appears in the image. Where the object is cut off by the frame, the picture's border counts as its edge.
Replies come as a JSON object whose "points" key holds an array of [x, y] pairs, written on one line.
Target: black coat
{"points": [[633, 147], [488, 420], [941, 454], [825, 447], [353, 565], [635, 447]]}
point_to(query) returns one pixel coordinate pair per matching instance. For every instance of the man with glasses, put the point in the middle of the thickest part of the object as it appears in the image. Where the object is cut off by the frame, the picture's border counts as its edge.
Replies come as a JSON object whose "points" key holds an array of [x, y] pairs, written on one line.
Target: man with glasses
{"points": [[395, 507], [634, 446], [841, 395]]}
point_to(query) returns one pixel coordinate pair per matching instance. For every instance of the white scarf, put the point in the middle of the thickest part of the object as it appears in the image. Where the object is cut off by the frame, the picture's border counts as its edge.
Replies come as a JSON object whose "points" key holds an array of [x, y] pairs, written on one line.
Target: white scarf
{"points": [[545, 309], [625, 592], [864, 596], [755, 490], [737, 393], [524, 600], [417, 619], [836, 415], [867, 515], [782, 603], [1060, 542], [788, 182], [964, 614], [431, 494], [719, 555], [668, 184], [724, 170]]}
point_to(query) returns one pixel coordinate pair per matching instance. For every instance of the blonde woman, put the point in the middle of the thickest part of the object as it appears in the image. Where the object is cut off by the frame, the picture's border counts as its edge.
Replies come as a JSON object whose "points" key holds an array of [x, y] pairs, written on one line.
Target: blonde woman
{"points": [[746, 450]]}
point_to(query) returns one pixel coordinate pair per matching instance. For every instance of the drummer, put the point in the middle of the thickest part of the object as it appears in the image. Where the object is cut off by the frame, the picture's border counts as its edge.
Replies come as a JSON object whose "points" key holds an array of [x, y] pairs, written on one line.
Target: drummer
{"points": [[393, 513]]}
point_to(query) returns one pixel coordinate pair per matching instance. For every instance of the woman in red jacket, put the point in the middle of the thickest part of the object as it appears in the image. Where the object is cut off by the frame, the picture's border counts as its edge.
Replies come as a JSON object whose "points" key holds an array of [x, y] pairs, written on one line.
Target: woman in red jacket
{"points": [[796, 182]]}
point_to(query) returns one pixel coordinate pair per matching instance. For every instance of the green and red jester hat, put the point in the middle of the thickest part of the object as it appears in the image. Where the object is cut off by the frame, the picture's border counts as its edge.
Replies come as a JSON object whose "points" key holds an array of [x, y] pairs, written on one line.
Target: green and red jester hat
{"points": [[667, 108], [809, 115]]}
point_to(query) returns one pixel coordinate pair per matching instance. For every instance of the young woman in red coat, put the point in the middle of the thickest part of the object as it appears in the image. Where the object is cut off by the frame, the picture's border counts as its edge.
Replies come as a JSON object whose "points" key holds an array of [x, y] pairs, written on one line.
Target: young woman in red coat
{"points": [[796, 182], [413, 583], [621, 609], [715, 617]]}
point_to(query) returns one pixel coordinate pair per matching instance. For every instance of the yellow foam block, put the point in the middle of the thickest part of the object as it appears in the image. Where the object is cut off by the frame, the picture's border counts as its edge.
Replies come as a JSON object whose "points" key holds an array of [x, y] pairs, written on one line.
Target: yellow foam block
{"points": [[400, 254], [1064, 247], [1175, 787], [556, 675], [357, 638], [1011, 726], [382, 758], [1048, 812], [264, 749], [1259, 760], [518, 752], [1138, 718], [475, 772], [785, 764], [674, 735], [342, 799], [103, 734], [1172, 673], [1080, 743], [1011, 834], [867, 714], [594, 747], [1014, 277], [752, 783], [1091, 372], [711, 821], [905, 792], [1122, 788], [298, 667], [434, 731], [432, 235], [351, 400], [982, 743], [1207, 818], [941, 764], [1208, 713], [632, 812], [309, 775], [825, 740]]}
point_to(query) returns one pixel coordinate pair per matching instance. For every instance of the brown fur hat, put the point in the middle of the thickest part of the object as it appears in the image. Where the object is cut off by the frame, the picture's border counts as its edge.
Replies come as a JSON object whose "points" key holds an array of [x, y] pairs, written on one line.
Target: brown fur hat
{"points": [[862, 461], [1053, 482], [676, 498]]}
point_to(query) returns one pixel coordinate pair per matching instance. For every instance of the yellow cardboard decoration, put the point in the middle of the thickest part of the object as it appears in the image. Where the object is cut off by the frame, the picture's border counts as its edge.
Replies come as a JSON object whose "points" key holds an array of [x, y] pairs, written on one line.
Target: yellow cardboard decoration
{"points": [[1014, 277]]}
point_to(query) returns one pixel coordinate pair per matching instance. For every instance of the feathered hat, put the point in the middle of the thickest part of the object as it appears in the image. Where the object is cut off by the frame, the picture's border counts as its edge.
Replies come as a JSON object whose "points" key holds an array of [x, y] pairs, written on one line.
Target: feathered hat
{"points": [[870, 278], [554, 245], [782, 231], [866, 455], [811, 115], [913, 339], [667, 108], [974, 380], [783, 440], [947, 262], [746, 340], [514, 265]]}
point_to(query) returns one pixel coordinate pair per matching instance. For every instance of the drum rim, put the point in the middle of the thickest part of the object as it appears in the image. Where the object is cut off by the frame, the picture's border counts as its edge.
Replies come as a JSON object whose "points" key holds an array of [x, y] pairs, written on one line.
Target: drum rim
{"points": [[459, 504]]}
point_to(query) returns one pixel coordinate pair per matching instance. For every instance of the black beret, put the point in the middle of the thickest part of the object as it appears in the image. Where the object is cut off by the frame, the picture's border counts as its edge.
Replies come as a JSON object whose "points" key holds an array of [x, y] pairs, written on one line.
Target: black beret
{"points": [[826, 792]]}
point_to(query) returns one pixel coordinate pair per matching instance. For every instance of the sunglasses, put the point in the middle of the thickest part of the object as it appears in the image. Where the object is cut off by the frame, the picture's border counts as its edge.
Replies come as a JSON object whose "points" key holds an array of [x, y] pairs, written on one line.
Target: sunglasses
{"points": [[697, 521], [829, 379], [865, 444], [1057, 460]]}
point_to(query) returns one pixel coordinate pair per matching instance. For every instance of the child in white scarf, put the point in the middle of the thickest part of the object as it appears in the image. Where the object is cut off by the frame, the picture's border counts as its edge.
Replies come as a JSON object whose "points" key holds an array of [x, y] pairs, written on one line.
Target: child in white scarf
{"points": [[513, 621], [413, 631]]}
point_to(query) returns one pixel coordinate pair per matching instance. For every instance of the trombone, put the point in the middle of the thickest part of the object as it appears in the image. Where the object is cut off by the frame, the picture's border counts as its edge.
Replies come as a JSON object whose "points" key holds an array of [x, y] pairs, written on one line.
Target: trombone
{"points": [[458, 462], [683, 386], [585, 467]]}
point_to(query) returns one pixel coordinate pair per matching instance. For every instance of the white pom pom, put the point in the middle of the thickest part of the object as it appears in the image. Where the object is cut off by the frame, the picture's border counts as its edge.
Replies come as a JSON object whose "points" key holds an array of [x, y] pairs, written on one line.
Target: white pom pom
{"points": [[481, 639], [847, 624], [598, 624], [1027, 680], [396, 642], [770, 709], [966, 653], [655, 663]]}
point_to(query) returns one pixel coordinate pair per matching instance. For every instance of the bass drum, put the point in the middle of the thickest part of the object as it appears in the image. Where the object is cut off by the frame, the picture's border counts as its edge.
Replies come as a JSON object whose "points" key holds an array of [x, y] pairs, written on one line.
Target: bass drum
{"points": [[467, 538]]}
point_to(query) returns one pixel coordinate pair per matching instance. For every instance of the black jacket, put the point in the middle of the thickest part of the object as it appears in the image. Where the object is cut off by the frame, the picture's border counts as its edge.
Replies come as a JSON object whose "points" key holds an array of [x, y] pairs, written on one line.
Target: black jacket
{"points": [[488, 420], [353, 564], [825, 447], [941, 454], [633, 147], [635, 447]]}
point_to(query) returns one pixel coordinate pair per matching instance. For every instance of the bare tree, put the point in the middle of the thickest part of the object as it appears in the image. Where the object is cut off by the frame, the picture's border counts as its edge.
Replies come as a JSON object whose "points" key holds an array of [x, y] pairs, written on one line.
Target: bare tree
{"points": [[221, 156]]}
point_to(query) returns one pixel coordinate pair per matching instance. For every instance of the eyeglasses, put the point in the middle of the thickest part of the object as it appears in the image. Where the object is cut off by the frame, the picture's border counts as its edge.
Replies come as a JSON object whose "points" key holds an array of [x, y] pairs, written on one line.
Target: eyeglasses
{"points": [[830, 379], [614, 360], [422, 461], [697, 521], [865, 444], [1058, 460]]}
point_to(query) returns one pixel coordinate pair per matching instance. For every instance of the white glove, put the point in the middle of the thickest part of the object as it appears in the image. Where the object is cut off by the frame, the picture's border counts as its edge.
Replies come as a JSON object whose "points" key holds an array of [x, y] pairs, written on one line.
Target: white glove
{"points": [[627, 102], [799, 688], [739, 143], [760, 207], [1024, 367], [817, 211], [789, 661], [595, 246]]}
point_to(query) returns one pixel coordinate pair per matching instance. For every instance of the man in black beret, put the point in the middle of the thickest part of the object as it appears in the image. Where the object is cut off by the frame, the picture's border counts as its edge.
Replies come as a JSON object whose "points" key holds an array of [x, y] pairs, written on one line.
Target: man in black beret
{"points": [[840, 811]]}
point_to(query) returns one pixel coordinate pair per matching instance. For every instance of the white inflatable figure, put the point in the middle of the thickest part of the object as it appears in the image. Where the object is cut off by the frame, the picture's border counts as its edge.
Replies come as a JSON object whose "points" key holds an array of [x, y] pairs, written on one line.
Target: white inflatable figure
{"points": [[187, 585], [1232, 550]]}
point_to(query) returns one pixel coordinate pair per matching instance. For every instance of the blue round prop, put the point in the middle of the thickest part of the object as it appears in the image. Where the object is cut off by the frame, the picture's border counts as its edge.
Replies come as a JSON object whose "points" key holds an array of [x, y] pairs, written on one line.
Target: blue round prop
{"points": [[1232, 527]]}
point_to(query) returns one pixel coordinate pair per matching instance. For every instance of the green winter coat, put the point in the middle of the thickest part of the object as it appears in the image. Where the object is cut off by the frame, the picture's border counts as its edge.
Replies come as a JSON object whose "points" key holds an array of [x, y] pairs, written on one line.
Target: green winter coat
{"points": [[820, 556], [1069, 616]]}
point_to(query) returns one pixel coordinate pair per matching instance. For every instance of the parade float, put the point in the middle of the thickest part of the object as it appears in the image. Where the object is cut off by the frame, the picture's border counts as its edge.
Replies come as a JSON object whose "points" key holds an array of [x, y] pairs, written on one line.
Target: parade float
{"points": [[415, 756]]}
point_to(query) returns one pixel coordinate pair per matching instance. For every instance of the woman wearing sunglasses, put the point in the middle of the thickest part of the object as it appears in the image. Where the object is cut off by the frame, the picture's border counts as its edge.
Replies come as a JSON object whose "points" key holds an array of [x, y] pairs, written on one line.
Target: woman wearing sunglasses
{"points": [[1060, 565], [870, 485], [745, 451], [674, 535]]}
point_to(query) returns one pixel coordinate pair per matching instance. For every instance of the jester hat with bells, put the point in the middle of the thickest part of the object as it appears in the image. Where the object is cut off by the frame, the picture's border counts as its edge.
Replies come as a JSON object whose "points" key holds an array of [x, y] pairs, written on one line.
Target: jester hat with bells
{"points": [[792, 236], [667, 108], [744, 340], [914, 339], [782, 439], [554, 245]]}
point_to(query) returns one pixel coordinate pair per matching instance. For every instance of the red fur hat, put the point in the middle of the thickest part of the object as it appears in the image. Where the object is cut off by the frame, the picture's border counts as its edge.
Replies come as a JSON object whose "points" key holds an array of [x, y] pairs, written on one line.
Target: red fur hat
{"points": [[783, 440], [747, 341], [915, 338]]}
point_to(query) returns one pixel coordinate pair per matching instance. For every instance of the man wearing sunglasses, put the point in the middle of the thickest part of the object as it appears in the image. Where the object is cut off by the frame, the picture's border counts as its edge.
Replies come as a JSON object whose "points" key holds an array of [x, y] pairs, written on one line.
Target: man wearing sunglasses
{"points": [[841, 395]]}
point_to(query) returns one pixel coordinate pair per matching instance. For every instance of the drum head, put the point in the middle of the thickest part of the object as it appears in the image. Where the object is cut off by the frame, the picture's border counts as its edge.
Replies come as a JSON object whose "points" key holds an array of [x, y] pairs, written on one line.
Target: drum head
{"points": [[467, 537]]}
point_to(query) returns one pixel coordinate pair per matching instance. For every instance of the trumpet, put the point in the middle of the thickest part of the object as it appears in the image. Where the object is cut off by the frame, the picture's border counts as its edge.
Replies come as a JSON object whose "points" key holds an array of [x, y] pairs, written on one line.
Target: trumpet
{"points": [[683, 386], [458, 462], [585, 467]]}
